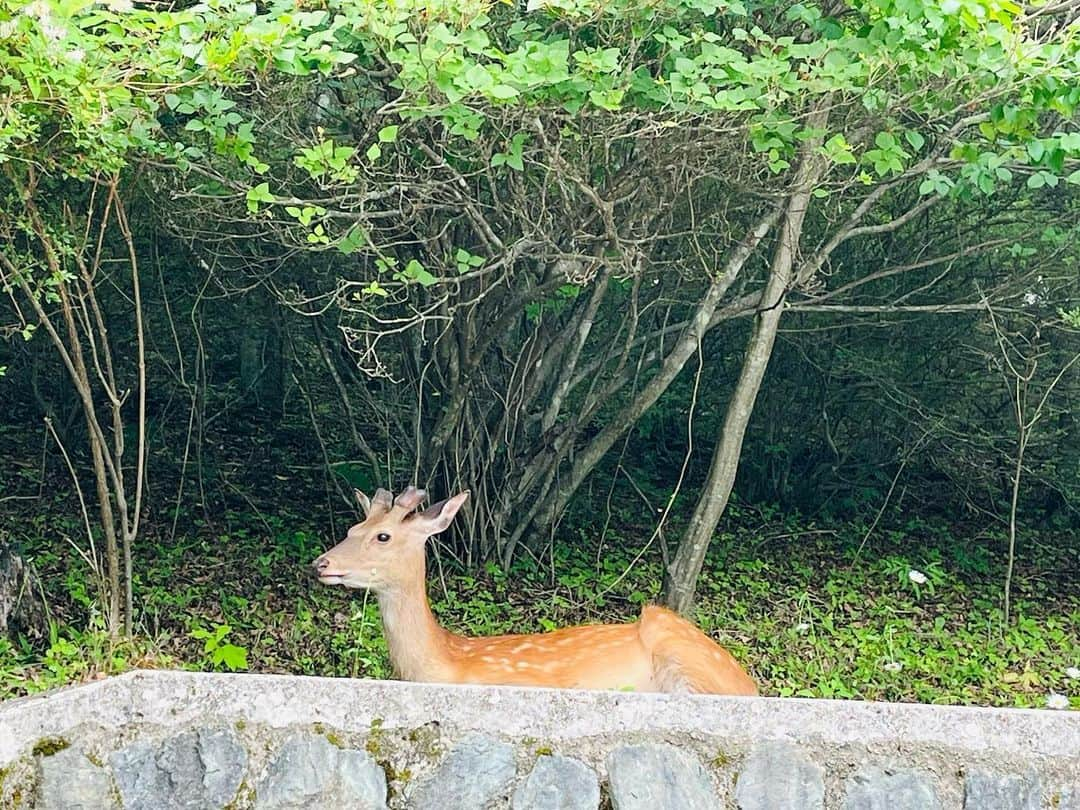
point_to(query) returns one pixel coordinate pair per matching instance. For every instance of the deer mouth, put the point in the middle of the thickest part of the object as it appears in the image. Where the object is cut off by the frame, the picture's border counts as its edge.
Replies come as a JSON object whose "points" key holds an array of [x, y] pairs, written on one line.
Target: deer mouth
{"points": [[331, 579]]}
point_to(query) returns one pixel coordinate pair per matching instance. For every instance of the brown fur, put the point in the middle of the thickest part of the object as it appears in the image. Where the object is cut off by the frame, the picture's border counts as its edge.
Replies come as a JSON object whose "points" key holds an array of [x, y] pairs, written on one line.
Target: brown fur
{"points": [[661, 652]]}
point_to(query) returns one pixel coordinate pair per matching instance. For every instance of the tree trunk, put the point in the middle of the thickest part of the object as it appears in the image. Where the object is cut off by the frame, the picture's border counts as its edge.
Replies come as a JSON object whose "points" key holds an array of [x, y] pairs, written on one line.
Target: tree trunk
{"points": [[82, 320], [22, 611], [689, 342], [681, 579]]}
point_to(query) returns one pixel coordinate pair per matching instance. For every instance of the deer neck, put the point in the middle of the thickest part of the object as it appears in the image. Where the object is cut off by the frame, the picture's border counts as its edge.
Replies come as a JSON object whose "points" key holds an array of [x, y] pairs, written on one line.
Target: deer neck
{"points": [[419, 648]]}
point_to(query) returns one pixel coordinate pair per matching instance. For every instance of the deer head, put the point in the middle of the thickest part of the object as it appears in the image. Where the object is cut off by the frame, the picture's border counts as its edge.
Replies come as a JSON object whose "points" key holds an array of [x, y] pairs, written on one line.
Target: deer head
{"points": [[387, 549]]}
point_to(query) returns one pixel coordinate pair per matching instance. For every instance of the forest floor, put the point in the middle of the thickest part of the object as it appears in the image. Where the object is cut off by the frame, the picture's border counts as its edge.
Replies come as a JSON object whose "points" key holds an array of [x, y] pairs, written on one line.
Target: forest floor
{"points": [[812, 610]]}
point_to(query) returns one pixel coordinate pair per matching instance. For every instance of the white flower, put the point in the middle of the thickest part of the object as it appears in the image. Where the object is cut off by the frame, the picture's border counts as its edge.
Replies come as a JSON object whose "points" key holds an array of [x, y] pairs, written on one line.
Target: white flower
{"points": [[39, 10], [75, 55], [1031, 298], [1056, 701], [7, 28], [802, 627], [893, 666], [51, 31], [1073, 673], [918, 577], [119, 6]]}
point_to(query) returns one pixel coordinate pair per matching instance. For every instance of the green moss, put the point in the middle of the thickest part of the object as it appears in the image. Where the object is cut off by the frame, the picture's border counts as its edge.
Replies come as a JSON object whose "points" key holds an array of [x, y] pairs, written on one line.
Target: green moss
{"points": [[721, 759], [239, 725], [331, 737], [395, 779], [47, 746], [543, 751], [245, 797], [393, 789], [96, 760], [426, 740], [374, 744]]}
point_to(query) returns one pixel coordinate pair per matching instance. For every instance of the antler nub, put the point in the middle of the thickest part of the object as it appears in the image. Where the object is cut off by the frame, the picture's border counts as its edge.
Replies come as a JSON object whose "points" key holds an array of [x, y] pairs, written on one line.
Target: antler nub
{"points": [[410, 498]]}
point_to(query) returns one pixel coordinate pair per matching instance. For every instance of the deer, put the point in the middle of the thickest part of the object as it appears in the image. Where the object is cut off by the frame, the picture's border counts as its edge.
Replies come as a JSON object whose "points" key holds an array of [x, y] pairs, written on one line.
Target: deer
{"points": [[385, 554]]}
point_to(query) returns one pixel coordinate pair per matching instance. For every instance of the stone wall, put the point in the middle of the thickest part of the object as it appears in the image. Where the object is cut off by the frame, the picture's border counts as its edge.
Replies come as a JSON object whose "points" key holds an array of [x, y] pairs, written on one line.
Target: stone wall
{"points": [[162, 740]]}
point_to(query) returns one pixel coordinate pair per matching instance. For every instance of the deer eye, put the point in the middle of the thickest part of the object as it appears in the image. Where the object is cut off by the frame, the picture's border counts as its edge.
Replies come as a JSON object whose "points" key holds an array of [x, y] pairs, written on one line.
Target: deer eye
{"points": [[382, 537]]}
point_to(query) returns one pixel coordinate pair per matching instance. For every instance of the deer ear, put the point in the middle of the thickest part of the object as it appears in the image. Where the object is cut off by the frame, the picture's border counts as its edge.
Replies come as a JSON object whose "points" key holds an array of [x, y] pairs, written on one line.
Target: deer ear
{"points": [[364, 501], [438, 516]]}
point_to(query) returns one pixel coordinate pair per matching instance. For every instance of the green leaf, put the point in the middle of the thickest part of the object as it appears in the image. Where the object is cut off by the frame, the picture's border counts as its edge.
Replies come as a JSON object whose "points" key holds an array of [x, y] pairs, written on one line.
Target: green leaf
{"points": [[607, 99], [478, 78], [375, 289], [232, 656], [1070, 142], [1036, 149], [838, 150], [388, 134], [503, 92], [258, 194], [885, 140], [353, 240], [466, 261], [415, 271], [374, 152], [915, 139]]}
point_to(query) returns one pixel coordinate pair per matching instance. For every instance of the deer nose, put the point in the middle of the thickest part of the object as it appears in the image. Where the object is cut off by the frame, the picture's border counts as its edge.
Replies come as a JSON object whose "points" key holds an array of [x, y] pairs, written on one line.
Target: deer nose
{"points": [[321, 564]]}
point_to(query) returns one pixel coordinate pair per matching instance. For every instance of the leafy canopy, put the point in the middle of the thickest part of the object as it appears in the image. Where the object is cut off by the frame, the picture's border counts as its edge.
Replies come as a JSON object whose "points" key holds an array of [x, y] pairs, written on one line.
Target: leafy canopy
{"points": [[964, 94]]}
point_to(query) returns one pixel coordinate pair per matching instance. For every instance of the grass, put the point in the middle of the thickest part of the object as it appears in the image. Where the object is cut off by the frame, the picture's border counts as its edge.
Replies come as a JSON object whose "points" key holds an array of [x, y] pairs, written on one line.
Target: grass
{"points": [[809, 612]]}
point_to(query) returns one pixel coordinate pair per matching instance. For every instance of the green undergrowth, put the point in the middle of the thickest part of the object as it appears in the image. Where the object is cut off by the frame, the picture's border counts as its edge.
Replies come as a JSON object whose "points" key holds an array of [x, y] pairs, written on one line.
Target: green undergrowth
{"points": [[811, 610]]}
